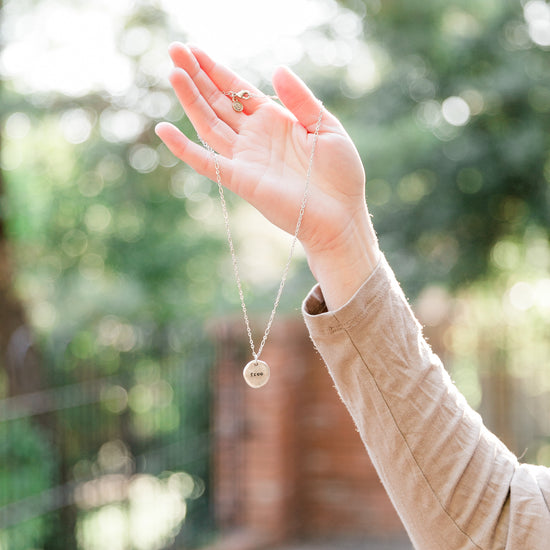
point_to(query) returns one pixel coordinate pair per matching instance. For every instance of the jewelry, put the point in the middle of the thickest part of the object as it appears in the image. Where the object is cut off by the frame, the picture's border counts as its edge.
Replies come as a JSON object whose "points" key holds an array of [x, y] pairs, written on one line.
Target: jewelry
{"points": [[256, 372], [244, 94]]}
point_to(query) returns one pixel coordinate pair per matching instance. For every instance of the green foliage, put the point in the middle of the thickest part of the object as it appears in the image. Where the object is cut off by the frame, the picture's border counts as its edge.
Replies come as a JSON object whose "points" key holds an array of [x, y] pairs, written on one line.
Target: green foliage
{"points": [[443, 194], [27, 469], [117, 254]]}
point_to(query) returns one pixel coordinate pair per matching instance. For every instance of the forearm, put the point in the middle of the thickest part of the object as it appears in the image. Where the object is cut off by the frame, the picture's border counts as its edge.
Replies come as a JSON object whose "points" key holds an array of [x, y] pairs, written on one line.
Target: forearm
{"points": [[448, 477]]}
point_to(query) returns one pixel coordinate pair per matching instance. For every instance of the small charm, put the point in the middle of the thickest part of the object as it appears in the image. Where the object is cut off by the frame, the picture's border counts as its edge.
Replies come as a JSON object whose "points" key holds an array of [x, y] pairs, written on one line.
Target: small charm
{"points": [[256, 373], [236, 99]]}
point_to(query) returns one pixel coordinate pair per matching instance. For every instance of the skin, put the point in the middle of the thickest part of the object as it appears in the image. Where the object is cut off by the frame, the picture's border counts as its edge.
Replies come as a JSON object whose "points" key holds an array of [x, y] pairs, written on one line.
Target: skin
{"points": [[264, 153]]}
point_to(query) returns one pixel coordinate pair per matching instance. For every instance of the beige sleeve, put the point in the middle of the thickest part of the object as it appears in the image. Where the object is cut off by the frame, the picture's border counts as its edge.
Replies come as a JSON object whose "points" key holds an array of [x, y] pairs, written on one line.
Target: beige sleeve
{"points": [[454, 484]]}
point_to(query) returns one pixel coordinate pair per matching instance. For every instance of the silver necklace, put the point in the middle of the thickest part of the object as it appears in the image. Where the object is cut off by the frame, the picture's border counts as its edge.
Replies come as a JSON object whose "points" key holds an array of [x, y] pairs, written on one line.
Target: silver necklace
{"points": [[256, 372]]}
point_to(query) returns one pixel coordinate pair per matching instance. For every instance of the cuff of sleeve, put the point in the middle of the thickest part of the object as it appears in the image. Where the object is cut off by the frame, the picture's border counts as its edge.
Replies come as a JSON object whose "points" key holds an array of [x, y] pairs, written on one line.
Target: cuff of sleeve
{"points": [[320, 320]]}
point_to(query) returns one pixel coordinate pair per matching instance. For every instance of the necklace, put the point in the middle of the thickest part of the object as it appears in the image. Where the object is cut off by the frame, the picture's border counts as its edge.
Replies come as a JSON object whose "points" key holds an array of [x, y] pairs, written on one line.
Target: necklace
{"points": [[256, 372]]}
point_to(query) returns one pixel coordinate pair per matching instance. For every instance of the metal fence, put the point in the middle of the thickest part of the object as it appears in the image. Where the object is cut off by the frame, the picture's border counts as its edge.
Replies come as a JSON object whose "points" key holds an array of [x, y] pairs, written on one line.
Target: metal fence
{"points": [[115, 462]]}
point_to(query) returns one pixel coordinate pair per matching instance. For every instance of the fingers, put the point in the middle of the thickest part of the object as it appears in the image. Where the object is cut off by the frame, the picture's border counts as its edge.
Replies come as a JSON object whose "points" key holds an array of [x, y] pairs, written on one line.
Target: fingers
{"points": [[226, 80], [300, 100], [207, 122], [184, 58], [199, 158]]}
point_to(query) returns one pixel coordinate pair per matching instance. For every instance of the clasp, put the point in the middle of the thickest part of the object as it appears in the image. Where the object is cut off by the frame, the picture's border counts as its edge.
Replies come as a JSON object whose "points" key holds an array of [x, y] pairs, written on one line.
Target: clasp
{"points": [[243, 94]]}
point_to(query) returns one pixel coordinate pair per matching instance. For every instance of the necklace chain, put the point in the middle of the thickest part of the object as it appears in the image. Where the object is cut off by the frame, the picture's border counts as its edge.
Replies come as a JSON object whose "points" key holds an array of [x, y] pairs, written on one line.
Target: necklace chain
{"points": [[256, 354], [245, 94]]}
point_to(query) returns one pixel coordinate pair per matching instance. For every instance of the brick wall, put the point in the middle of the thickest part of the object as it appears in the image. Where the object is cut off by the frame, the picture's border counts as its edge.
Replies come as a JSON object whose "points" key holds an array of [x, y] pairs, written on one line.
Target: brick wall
{"points": [[288, 461]]}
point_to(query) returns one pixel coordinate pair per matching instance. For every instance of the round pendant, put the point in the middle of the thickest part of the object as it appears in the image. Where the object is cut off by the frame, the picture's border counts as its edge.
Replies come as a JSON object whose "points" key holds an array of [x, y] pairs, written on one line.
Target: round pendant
{"points": [[256, 373], [237, 106]]}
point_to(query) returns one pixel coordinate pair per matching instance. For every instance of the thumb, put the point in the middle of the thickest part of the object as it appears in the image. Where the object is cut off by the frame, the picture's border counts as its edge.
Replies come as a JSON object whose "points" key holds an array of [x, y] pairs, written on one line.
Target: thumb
{"points": [[296, 97]]}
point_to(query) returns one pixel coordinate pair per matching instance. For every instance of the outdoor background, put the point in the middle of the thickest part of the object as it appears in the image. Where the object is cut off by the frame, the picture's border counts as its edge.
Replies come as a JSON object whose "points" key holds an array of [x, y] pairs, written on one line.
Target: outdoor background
{"points": [[113, 261]]}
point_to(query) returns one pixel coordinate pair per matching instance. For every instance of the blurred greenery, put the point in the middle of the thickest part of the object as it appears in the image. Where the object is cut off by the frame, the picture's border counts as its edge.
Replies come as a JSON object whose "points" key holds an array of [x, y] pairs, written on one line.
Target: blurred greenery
{"points": [[121, 258], [443, 194], [26, 468], [116, 281]]}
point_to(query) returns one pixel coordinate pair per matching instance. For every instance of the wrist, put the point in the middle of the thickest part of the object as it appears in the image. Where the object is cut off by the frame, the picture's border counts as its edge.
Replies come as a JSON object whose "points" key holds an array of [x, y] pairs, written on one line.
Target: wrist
{"points": [[343, 267]]}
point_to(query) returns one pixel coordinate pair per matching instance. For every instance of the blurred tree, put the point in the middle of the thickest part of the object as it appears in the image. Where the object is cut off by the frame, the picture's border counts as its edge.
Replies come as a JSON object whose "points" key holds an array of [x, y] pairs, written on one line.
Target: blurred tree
{"points": [[19, 358], [454, 129], [25, 452], [116, 280]]}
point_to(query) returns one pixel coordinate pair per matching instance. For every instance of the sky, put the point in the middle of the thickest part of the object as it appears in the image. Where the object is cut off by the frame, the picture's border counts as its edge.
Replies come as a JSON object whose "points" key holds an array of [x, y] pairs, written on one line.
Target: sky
{"points": [[71, 46]]}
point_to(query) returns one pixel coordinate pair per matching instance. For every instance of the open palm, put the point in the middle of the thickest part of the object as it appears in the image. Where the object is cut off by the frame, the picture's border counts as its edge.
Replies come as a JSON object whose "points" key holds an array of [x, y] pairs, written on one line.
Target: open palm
{"points": [[265, 150]]}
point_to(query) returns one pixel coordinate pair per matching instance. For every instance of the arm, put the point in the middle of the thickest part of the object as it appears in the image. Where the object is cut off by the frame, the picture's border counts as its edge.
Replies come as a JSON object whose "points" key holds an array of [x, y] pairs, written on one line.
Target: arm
{"points": [[453, 483]]}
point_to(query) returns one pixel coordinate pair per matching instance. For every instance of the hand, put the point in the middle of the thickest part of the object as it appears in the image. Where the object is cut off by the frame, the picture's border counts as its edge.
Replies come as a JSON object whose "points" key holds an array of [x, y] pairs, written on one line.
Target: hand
{"points": [[264, 154]]}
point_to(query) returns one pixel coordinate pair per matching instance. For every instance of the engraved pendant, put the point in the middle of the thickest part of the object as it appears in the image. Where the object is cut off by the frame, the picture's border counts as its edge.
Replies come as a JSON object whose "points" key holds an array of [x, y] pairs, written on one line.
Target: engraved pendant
{"points": [[237, 106], [256, 373]]}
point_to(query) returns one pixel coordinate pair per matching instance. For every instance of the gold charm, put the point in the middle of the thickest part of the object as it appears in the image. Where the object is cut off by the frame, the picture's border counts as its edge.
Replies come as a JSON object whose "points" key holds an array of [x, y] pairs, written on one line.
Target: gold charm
{"points": [[256, 373], [236, 98]]}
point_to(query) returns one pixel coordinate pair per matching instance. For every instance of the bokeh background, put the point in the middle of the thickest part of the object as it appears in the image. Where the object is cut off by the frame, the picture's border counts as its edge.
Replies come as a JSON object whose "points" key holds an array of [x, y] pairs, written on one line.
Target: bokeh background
{"points": [[113, 261]]}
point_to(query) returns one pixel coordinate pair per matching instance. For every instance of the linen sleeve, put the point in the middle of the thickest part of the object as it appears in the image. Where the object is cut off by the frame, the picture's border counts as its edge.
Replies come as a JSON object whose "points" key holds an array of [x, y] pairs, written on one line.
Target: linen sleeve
{"points": [[453, 483]]}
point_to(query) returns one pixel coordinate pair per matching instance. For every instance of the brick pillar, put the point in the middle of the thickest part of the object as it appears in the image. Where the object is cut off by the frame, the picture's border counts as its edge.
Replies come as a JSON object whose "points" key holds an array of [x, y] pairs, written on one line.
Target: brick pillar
{"points": [[341, 492], [256, 460], [271, 466]]}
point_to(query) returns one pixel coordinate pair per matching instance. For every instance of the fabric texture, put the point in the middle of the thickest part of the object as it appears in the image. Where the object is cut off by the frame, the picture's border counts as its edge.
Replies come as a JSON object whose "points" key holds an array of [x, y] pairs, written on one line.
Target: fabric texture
{"points": [[454, 484]]}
